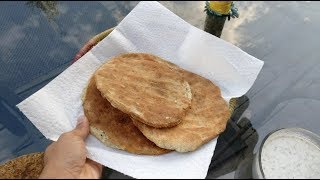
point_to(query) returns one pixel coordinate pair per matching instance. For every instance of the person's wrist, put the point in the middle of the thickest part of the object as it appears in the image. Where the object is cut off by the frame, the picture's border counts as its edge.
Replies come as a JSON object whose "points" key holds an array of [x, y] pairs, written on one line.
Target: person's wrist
{"points": [[51, 171]]}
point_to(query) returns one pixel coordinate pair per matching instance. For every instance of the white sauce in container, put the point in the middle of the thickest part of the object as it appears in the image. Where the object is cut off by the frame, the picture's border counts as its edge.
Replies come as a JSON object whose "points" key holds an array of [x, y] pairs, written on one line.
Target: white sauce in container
{"points": [[290, 156]]}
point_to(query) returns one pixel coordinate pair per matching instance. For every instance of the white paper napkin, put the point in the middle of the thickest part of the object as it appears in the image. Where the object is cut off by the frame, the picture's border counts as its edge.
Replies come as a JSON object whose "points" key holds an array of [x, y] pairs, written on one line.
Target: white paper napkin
{"points": [[150, 28]]}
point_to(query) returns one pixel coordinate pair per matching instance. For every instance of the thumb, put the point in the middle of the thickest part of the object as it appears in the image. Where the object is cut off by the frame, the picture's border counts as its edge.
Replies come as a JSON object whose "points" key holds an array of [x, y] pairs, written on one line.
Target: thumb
{"points": [[82, 128]]}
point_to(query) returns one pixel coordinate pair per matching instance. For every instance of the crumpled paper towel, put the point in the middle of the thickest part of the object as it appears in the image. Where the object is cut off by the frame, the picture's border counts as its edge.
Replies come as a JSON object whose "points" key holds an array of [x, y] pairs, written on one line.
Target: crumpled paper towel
{"points": [[150, 28]]}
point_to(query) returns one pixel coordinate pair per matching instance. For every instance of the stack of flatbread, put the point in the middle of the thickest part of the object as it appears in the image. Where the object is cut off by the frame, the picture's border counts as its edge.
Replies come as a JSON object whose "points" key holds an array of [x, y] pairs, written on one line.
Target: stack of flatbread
{"points": [[143, 104]]}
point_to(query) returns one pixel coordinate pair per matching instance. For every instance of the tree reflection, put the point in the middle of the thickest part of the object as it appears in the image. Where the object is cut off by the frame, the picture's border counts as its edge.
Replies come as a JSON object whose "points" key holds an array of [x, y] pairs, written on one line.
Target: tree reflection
{"points": [[49, 8]]}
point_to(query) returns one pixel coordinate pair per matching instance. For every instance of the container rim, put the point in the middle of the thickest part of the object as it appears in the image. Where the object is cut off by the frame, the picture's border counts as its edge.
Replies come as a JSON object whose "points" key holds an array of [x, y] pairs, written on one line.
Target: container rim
{"points": [[307, 132]]}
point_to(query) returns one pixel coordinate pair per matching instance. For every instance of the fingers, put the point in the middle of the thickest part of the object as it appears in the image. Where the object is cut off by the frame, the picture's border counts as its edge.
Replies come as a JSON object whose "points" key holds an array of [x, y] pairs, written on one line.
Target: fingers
{"points": [[97, 166], [82, 128], [92, 170]]}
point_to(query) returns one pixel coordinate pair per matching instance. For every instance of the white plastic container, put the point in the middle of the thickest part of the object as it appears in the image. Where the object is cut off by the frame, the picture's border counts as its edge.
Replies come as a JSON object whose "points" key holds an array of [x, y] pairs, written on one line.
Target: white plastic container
{"points": [[290, 153]]}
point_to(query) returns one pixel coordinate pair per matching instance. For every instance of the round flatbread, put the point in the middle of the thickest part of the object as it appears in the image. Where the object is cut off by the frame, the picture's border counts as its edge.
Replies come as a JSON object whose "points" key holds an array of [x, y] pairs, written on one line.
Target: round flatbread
{"points": [[153, 93], [112, 127], [206, 119]]}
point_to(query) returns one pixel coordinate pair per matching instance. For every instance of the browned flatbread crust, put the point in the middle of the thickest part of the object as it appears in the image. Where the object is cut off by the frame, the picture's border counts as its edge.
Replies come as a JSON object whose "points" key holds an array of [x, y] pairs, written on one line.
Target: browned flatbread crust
{"points": [[27, 166], [151, 92], [206, 119], [112, 127]]}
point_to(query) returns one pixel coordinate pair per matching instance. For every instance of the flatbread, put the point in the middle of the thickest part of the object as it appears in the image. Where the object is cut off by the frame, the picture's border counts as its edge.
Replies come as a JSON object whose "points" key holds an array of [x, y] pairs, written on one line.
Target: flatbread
{"points": [[153, 93], [206, 119], [28, 166], [112, 127]]}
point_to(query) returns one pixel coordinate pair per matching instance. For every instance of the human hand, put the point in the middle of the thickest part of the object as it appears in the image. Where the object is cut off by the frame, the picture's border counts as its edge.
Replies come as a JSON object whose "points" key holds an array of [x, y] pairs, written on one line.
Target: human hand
{"points": [[66, 158]]}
